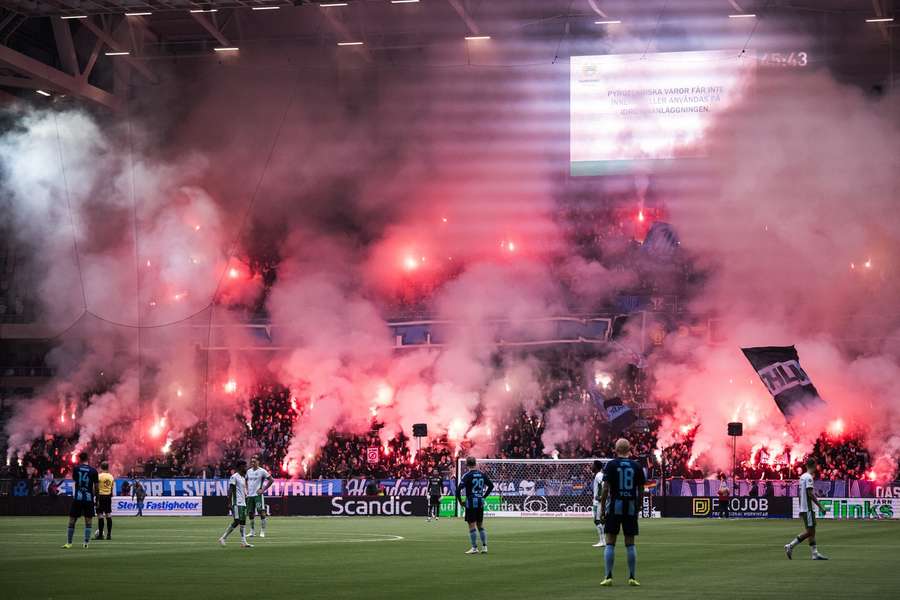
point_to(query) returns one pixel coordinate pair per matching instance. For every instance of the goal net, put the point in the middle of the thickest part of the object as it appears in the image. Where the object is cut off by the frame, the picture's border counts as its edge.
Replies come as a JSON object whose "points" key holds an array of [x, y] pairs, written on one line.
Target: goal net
{"points": [[537, 487]]}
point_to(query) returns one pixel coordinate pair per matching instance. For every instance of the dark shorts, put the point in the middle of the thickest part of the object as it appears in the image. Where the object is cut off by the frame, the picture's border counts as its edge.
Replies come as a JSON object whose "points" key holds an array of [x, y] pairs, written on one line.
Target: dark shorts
{"points": [[434, 500], [474, 515], [809, 519], [79, 508], [104, 504], [628, 524]]}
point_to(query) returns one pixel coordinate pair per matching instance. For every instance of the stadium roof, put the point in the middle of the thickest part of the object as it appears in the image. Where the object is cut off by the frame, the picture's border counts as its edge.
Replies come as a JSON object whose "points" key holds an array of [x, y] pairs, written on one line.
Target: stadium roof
{"points": [[83, 47]]}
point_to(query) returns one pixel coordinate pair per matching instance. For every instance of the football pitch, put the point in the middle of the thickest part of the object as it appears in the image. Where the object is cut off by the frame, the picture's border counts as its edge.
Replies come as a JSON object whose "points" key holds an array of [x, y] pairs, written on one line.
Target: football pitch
{"points": [[372, 558]]}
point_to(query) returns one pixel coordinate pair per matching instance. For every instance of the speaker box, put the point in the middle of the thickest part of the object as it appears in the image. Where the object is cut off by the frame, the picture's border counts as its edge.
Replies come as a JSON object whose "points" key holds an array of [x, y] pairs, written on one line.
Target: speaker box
{"points": [[420, 430], [735, 429]]}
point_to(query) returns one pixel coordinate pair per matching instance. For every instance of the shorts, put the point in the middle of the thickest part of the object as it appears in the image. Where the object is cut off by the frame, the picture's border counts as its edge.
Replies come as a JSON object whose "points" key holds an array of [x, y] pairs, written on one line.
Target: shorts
{"points": [[239, 513], [256, 505], [80, 508], [809, 519], [628, 524], [104, 504], [474, 515]]}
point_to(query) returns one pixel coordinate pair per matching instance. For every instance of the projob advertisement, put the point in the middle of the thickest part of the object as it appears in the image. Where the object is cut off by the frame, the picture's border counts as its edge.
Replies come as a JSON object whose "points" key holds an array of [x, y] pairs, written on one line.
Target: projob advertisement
{"points": [[855, 508]]}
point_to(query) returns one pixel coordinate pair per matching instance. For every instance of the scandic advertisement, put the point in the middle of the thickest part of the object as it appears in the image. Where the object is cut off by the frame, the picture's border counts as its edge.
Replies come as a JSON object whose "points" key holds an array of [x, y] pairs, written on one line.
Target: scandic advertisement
{"points": [[158, 506], [855, 508]]}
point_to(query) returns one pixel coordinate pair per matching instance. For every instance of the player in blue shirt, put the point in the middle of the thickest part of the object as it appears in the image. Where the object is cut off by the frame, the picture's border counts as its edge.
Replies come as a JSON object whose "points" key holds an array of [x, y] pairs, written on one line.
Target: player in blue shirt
{"points": [[85, 483], [477, 486], [620, 501]]}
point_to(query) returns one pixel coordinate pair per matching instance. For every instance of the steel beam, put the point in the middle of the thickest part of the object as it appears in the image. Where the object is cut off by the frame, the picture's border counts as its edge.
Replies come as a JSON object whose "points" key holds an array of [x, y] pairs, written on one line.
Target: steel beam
{"points": [[118, 47], [65, 48], [55, 79]]}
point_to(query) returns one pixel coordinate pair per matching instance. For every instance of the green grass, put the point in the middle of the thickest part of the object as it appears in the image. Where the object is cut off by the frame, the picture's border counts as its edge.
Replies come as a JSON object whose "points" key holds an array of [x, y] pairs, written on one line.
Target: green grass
{"points": [[334, 558]]}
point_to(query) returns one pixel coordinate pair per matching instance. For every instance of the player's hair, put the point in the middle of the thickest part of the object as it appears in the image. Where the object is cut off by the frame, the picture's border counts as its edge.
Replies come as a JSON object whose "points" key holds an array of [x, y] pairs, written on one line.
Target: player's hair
{"points": [[810, 462], [83, 456], [241, 464], [598, 466], [104, 465], [470, 461]]}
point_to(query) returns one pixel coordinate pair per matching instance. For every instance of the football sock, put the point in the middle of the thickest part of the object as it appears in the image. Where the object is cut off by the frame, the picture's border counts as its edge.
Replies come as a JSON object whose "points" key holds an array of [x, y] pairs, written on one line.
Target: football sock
{"points": [[473, 538], [483, 537], [609, 555], [87, 534], [228, 531], [100, 526], [243, 535], [632, 560], [794, 542], [262, 521], [252, 525], [70, 532], [108, 526], [600, 532]]}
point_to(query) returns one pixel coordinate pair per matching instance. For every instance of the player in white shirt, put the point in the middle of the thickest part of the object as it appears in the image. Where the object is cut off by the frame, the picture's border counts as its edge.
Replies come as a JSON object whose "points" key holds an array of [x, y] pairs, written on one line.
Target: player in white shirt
{"points": [[258, 481], [237, 497], [598, 487], [808, 502]]}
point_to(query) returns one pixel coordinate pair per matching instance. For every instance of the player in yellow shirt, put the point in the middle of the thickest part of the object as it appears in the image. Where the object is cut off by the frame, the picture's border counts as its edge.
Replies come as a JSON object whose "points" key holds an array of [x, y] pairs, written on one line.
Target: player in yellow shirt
{"points": [[106, 488]]}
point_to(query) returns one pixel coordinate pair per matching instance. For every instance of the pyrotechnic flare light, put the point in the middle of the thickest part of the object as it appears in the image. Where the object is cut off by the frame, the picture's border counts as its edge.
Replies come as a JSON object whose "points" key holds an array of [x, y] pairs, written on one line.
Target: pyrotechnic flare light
{"points": [[444, 219], [74, 456], [179, 393], [233, 273], [167, 446], [180, 295], [603, 380], [872, 475], [230, 386], [410, 263], [196, 228], [869, 264], [384, 394], [158, 427], [293, 404], [507, 386], [836, 428], [641, 216]]}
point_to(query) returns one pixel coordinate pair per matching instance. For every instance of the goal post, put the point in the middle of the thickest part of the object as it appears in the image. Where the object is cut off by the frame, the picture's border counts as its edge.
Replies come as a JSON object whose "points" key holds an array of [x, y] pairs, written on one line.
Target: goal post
{"points": [[537, 487]]}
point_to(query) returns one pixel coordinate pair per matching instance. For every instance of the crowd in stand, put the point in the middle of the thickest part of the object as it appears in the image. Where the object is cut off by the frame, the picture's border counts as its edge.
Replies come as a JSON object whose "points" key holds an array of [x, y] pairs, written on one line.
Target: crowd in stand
{"points": [[266, 429]]}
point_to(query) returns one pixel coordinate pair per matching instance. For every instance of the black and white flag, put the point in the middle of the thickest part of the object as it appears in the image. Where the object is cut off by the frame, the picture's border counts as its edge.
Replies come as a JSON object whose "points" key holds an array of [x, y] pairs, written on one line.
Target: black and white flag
{"points": [[781, 373]]}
